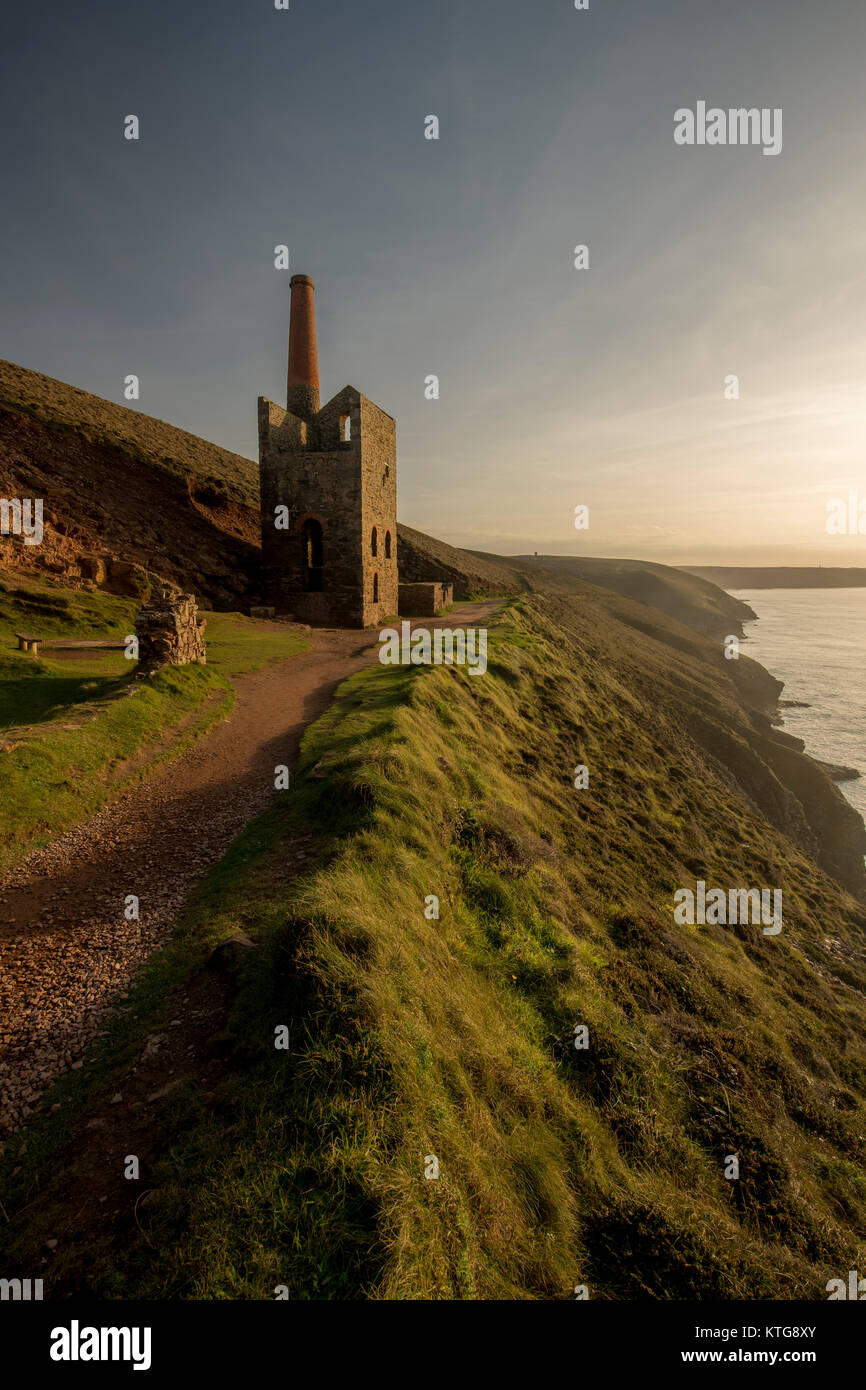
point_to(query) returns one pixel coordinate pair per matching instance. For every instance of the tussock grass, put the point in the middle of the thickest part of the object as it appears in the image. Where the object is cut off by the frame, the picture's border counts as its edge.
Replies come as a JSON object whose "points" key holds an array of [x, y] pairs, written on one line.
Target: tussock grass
{"points": [[453, 1038]]}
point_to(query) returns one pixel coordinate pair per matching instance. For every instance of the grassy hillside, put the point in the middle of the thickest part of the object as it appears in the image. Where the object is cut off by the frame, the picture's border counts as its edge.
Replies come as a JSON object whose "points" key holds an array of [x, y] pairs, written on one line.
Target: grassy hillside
{"points": [[125, 497], [422, 557], [689, 599], [146, 440], [67, 722], [685, 596], [411, 1037]]}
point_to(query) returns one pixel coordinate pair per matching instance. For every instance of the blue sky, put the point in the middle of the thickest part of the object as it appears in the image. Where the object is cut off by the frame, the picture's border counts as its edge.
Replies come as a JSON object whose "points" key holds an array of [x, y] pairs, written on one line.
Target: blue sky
{"points": [[603, 387]]}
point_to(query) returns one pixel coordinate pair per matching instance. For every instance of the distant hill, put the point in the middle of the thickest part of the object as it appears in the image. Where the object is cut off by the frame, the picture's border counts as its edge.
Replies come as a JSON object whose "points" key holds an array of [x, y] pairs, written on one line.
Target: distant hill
{"points": [[473, 574], [688, 598], [779, 577], [693, 601]]}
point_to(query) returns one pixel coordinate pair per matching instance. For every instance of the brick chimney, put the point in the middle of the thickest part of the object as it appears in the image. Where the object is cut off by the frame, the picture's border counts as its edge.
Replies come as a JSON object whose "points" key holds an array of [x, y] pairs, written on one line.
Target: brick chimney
{"points": [[302, 395]]}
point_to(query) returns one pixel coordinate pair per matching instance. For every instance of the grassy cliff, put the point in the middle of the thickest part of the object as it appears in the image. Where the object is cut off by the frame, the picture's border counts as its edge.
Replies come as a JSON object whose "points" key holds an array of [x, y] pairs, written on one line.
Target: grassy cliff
{"points": [[412, 1037], [686, 597]]}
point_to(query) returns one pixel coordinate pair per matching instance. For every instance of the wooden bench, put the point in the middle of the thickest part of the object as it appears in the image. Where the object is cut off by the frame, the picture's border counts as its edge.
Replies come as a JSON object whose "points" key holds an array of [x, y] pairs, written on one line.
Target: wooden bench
{"points": [[27, 642]]}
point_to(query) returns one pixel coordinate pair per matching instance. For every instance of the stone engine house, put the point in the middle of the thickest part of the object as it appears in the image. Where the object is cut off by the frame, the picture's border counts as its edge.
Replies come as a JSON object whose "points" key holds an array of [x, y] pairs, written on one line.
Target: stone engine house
{"points": [[329, 493]]}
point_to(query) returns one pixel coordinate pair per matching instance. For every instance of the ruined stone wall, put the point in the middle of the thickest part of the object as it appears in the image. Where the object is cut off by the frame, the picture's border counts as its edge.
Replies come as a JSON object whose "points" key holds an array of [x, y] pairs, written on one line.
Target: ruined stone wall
{"points": [[326, 489], [348, 486], [169, 631], [424, 600], [379, 510]]}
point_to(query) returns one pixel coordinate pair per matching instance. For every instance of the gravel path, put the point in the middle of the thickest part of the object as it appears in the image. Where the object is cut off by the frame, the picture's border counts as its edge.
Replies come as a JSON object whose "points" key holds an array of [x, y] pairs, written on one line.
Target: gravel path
{"points": [[67, 952]]}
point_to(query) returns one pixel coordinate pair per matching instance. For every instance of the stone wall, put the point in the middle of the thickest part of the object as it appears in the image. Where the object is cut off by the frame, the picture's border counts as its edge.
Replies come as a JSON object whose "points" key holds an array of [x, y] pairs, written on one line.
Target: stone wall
{"points": [[379, 511], [424, 600], [169, 631], [346, 486]]}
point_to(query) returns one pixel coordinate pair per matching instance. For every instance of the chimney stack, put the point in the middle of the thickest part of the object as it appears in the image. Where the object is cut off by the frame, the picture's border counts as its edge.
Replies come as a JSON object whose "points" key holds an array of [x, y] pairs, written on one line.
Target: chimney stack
{"points": [[302, 396]]}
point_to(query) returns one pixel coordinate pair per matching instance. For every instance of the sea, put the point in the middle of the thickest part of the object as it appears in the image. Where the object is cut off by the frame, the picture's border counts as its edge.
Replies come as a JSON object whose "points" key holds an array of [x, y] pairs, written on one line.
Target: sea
{"points": [[815, 641]]}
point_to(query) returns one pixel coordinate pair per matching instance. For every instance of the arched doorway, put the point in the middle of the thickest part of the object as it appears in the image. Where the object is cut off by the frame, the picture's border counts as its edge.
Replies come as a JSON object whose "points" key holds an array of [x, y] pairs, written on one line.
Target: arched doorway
{"points": [[312, 555]]}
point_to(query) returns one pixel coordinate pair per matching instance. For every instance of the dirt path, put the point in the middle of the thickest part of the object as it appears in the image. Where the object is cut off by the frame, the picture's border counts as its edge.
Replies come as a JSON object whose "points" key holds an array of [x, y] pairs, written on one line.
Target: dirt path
{"points": [[67, 952]]}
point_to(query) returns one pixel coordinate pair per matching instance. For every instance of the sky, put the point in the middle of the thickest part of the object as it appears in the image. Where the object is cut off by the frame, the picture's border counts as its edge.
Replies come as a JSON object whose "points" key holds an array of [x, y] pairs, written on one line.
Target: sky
{"points": [[602, 387]]}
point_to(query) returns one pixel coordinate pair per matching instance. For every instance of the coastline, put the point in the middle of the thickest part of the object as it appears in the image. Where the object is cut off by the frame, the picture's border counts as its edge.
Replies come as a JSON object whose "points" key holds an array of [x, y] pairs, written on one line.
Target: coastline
{"points": [[814, 707]]}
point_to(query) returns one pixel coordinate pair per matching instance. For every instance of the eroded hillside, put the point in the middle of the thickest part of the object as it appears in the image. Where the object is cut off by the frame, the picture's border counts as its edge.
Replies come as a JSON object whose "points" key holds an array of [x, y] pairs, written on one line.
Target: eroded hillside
{"points": [[125, 495]]}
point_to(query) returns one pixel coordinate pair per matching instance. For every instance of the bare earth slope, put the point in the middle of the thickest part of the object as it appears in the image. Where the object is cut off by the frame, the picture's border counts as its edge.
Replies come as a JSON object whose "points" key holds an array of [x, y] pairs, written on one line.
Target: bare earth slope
{"points": [[124, 494], [162, 446]]}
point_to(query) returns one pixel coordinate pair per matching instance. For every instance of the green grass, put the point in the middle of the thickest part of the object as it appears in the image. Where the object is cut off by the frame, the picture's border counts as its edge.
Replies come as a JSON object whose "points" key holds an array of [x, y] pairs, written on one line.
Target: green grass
{"points": [[454, 1037], [71, 722], [62, 775], [51, 611], [33, 690], [237, 644]]}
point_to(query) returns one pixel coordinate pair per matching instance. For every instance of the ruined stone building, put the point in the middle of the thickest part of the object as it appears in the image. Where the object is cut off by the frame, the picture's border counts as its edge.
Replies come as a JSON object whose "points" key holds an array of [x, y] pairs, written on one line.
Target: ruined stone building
{"points": [[329, 493], [169, 631]]}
